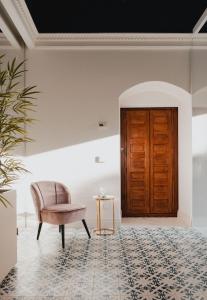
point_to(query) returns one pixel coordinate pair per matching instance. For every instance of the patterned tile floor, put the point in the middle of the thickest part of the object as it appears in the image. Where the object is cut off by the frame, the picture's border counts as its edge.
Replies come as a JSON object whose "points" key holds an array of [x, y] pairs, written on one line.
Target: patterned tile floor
{"points": [[138, 263]]}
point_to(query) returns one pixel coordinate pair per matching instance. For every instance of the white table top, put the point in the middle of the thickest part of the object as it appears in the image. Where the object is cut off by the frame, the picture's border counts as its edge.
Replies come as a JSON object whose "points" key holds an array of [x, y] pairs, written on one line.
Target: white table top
{"points": [[105, 197]]}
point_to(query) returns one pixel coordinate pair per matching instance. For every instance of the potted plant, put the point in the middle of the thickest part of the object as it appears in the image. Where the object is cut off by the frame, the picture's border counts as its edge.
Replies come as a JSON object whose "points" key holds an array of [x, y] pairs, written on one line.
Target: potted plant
{"points": [[15, 103]]}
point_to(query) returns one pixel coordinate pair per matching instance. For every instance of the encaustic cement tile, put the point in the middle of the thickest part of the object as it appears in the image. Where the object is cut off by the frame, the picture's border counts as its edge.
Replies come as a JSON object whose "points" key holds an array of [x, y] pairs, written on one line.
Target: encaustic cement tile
{"points": [[139, 262]]}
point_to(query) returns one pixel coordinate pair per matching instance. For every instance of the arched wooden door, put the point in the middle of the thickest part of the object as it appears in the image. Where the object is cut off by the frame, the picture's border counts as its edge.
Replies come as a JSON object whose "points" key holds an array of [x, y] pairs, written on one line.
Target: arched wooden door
{"points": [[149, 161]]}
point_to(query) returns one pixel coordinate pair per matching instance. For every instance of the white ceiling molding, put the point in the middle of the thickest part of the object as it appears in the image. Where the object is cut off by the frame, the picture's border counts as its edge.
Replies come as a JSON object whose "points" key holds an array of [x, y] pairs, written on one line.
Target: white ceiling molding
{"points": [[119, 40], [19, 14], [202, 20], [7, 34], [8, 38], [6, 44]]}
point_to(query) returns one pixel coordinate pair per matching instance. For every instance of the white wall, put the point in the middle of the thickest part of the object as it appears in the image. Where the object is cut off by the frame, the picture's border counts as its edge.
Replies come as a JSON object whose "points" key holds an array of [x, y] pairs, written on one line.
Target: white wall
{"points": [[199, 89], [8, 245], [80, 88], [162, 94], [198, 70], [200, 168]]}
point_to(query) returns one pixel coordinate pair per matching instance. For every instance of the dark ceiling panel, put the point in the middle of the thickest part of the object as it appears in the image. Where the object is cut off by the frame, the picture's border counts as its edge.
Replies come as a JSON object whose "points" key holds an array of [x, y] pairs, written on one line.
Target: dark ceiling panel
{"points": [[204, 29], [110, 16]]}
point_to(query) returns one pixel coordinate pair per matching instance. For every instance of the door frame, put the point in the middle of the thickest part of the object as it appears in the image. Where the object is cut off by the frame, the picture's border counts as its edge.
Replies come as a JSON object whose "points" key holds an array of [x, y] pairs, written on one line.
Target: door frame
{"points": [[123, 163]]}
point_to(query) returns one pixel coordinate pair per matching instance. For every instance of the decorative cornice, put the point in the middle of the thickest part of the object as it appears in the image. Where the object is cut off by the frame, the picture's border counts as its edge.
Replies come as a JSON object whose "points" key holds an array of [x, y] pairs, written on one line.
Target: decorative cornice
{"points": [[20, 15], [133, 40], [23, 11], [199, 40]]}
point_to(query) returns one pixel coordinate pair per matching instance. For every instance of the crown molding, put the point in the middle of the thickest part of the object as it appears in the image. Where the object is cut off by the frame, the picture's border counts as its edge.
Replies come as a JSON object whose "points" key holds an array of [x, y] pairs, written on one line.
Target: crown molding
{"points": [[26, 17], [8, 30], [120, 40], [20, 15]]}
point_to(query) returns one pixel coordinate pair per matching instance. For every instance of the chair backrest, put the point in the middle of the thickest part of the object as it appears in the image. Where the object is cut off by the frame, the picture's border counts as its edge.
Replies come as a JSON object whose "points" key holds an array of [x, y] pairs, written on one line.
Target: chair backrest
{"points": [[46, 193]]}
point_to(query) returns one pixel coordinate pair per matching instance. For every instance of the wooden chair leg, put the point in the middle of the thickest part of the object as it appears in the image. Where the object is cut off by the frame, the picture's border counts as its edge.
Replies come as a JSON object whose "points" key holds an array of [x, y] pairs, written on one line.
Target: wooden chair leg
{"points": [[59, 228], [39, 230], [63, 235], [86, 228]]}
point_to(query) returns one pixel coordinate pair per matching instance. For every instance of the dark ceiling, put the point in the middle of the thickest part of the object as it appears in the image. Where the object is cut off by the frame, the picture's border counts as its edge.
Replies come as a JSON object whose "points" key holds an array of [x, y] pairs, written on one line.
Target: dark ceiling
{"points": [[120, 16], [204, 29]]}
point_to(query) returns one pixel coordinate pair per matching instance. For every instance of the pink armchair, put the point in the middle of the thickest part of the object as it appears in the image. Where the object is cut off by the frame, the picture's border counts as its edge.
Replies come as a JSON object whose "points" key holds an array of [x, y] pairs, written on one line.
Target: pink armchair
{"points": [[53, 205]]}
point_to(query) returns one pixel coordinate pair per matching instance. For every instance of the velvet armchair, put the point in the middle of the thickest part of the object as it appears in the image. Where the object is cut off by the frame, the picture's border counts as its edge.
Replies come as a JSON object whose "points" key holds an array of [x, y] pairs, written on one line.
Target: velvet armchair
{"points": [[53, 205]]}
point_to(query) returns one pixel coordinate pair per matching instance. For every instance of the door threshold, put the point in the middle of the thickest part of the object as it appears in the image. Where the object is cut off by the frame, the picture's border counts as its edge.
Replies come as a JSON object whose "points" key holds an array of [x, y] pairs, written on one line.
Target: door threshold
{"points": [[154, 221]]}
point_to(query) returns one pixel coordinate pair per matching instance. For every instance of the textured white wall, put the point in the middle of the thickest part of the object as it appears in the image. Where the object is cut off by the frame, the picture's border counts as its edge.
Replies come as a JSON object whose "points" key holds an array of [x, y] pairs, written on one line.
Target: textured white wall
{"points": [[8, 245], [200, 168], [199, 137], [80, 88]]}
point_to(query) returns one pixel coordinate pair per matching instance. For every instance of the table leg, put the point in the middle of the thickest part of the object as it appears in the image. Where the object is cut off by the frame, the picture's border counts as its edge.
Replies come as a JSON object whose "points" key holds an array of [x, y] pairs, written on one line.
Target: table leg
{"points": [[113, 217], [99, 215]]}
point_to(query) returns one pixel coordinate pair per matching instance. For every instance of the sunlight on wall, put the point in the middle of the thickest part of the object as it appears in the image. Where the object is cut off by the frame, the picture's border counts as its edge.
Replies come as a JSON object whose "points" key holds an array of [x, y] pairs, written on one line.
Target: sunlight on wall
{"points": [[199, 134], [75, 166], [200, 170]]}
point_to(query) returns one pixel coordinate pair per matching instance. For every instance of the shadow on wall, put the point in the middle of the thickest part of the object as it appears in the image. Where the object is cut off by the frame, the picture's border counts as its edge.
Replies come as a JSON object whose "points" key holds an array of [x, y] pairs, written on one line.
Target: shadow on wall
{"points": [[59, 132], [80, 88], [199, 101], [197, 111]]}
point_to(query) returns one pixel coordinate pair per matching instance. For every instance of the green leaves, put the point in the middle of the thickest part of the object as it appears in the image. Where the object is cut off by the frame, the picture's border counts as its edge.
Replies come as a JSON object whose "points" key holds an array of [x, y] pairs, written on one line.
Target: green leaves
{"points": [[15, 103], [9, 169], [15, 70], [4, 201]]}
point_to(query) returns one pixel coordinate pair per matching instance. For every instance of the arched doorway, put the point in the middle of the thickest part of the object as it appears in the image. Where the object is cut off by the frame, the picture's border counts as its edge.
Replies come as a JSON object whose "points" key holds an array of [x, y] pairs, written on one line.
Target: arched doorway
{"points": [[163, 94]]}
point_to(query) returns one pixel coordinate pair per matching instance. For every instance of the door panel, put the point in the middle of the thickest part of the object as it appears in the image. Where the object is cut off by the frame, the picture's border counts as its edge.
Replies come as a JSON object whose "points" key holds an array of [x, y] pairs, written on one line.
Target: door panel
{"points": [[161, 161], [137, 161], [149, 162]]}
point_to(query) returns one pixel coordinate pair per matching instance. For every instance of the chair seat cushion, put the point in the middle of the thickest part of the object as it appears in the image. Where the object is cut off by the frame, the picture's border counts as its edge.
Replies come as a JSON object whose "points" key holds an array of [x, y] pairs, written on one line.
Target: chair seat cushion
{"points": [[63, 208]]}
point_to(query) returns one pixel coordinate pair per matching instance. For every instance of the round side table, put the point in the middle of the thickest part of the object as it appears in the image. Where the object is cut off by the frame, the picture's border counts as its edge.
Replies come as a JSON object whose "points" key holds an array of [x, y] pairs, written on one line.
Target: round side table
{"points": [[99, 230]]}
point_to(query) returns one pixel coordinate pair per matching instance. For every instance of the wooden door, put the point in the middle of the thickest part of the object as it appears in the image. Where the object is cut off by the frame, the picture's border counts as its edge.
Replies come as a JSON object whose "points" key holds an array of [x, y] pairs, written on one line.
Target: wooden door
{"points": [[149, 162]]}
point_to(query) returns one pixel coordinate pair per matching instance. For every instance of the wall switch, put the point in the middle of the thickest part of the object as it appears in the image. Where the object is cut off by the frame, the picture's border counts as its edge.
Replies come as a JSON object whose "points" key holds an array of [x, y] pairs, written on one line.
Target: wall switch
{"points": [[98, 160]]}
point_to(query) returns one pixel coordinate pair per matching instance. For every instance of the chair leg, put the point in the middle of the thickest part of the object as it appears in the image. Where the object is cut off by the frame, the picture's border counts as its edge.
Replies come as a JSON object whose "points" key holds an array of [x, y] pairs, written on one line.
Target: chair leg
{"points": [[59, 228], [63, 235], [86, 228], [39, 230]]}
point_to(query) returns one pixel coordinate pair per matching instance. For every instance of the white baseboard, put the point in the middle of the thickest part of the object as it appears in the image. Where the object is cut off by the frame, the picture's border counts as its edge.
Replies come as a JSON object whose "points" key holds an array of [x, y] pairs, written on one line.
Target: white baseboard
{"points": [[185, 219]]}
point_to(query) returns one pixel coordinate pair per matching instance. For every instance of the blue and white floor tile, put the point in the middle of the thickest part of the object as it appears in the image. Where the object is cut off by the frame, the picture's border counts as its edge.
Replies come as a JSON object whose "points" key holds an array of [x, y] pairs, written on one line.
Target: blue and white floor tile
{"points": [[138, 263]]}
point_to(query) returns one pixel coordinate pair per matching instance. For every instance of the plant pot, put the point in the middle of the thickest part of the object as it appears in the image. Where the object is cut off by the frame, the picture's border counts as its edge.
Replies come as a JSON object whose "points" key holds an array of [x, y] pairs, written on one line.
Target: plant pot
{"points": [[8, 238]]}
